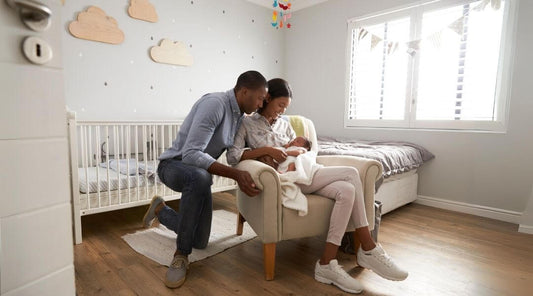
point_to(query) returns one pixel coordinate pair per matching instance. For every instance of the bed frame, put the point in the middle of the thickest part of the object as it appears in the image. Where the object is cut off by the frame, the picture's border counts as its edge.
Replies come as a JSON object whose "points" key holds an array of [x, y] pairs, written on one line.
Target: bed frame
{"points": [[398, 190], [138, 144]]}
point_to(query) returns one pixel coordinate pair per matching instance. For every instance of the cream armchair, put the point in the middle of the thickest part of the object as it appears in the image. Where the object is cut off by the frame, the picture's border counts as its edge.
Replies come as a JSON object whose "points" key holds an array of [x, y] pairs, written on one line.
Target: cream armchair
{"points": [[273, 223]]}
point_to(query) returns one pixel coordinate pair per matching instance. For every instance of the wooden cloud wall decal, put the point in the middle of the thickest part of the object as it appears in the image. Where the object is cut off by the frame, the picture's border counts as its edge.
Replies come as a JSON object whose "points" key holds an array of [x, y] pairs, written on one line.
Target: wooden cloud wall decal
{"points": [[169, 52], [142, 10], [95, 25]]}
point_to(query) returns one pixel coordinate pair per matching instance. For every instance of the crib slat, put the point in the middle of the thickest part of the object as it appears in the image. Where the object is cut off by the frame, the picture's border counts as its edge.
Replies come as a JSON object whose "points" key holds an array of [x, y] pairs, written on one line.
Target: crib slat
{"points": [[108, 176], [97, 145], [153, 143], [145, 155], [137, 157], [128, 157], [116, 156]]}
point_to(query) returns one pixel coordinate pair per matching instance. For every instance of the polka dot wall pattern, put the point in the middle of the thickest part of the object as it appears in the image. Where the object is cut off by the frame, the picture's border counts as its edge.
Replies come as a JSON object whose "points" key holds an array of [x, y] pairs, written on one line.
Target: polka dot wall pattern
{"points": [[122, 82]]}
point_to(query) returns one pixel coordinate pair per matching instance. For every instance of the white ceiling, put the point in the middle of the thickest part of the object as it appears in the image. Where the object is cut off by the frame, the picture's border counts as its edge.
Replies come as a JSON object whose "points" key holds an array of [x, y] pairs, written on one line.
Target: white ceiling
{"points": [[295, 4]]}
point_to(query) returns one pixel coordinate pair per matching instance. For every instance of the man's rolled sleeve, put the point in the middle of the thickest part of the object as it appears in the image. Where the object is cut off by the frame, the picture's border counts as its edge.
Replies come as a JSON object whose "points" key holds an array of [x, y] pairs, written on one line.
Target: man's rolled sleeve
{"points": [[234, 153], [198, 159]]}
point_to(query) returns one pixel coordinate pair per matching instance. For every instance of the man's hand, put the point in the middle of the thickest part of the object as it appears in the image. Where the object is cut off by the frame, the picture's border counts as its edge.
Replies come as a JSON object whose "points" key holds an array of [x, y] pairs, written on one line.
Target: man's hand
{"points": [[247, 184], [266, 159], [243, 178]]}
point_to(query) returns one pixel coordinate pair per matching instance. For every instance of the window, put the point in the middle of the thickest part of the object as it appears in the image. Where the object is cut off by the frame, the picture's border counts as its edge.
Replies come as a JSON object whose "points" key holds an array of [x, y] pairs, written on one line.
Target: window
{"points": [[442, 65]]}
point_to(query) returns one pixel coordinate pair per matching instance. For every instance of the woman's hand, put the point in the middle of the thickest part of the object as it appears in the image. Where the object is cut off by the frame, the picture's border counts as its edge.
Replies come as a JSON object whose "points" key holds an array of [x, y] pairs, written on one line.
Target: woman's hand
{"points": [[267, 159], [295, 152], [278, 154]]}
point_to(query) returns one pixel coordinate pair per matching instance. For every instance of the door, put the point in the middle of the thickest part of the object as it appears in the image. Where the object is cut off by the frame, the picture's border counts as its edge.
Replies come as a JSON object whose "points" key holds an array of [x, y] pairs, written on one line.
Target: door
{"points": [[36, 250]]}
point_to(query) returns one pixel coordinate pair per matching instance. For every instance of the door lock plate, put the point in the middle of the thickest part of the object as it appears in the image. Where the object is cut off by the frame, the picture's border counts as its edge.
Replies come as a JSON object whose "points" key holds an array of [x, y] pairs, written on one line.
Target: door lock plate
{"points": [[37, 50]]}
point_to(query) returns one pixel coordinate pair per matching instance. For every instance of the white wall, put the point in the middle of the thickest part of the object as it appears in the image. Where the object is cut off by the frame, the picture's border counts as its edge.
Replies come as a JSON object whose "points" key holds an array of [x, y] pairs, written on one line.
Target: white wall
{"points": [[490, 174], [226, 38]]}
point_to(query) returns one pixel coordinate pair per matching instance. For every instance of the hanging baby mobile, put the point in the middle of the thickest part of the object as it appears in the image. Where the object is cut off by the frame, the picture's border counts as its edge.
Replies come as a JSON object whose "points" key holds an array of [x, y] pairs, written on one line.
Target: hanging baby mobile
{"points": [[435, 38], [281, 14]]}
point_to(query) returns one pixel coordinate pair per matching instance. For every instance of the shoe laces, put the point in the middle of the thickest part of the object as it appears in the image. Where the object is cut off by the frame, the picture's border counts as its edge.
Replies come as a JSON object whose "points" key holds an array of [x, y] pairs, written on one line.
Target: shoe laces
{"points": [[338, 269], [178, 262], [385, 259]]}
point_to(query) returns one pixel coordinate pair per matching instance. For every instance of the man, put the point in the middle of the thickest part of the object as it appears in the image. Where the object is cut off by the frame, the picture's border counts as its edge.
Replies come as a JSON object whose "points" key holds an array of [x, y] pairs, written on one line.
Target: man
{"points": [[207, 131]]}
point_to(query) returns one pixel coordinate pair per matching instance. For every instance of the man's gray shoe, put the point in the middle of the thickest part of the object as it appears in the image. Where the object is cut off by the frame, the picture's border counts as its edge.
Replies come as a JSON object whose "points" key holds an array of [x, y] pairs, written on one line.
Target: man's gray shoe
{"points": [[177, 271], [150, 214]]}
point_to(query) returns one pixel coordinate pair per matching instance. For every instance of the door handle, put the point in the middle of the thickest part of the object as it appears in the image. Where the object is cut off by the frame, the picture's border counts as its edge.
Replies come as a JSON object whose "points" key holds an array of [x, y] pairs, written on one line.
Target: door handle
{"points": [[33, 14]]}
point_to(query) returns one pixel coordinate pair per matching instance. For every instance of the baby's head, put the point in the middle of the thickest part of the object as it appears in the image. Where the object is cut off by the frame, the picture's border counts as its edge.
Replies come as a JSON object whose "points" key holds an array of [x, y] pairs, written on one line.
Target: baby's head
{"points": [[301, 142]]}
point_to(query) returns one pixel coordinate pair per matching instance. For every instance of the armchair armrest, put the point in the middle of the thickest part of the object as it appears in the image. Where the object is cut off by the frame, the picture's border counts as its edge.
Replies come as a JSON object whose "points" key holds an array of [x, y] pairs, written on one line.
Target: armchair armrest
{"points": [[262, 212], [363, 165], [255, 168], [370, 172]]}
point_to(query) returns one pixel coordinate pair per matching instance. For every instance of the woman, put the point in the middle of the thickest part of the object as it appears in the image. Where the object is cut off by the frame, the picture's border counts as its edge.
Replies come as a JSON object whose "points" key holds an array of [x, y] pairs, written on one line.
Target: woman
{"points": [[262, 132]]}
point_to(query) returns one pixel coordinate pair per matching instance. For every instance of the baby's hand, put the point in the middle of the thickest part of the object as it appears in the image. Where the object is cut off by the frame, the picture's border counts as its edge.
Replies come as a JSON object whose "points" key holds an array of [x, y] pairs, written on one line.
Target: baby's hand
{"points": [[291, 167]]}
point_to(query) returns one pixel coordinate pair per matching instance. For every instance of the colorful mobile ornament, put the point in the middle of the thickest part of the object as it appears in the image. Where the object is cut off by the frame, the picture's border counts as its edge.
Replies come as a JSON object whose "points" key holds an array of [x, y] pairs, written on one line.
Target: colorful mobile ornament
{"points": [[284, 14]]}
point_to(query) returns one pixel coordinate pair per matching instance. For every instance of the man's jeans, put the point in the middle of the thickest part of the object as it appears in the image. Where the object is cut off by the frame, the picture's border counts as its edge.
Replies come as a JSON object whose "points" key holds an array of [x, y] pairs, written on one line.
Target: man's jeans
{"points": [[192, 222]]}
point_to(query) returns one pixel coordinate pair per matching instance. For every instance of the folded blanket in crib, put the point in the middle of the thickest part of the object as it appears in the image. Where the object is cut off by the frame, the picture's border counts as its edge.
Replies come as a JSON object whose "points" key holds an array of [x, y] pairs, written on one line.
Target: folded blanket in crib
{"points": [[129, 167], [292, 196]]}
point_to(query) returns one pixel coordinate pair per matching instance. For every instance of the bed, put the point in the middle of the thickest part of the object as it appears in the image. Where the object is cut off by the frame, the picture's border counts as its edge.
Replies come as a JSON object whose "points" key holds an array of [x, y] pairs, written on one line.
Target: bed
{"points": [[400, 161], [113, 165]]}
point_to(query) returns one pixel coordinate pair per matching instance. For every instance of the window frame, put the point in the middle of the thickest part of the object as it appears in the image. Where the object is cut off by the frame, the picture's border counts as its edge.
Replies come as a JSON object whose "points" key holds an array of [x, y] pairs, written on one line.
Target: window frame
{"points": [[503, 79]]}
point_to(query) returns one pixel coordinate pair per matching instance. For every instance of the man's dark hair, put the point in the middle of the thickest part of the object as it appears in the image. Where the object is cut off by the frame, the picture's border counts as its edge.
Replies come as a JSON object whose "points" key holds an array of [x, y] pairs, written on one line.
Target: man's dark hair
{"points": [[251, 80]]}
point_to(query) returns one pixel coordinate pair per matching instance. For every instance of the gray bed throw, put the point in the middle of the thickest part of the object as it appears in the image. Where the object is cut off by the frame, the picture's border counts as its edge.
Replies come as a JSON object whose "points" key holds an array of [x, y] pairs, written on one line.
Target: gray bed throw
{"points": [[396, 156]]}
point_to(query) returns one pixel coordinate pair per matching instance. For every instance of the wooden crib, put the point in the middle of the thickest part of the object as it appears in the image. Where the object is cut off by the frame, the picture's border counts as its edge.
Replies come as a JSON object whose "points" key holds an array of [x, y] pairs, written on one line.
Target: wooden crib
{"points": [[113, 165]]}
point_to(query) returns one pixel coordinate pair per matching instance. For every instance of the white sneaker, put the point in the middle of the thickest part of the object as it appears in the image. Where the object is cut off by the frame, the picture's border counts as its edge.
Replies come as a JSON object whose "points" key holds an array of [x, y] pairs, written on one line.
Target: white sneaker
{"points": [[333, 273], [381, 263]]}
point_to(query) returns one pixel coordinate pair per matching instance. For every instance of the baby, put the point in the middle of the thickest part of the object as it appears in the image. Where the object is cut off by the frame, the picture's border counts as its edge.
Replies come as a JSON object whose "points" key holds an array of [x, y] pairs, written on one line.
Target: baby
{"points": [[294, 148]]}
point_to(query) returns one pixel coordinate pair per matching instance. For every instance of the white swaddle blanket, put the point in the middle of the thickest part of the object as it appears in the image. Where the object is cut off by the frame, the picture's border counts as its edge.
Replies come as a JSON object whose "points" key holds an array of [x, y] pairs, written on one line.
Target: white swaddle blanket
{"points": [[292, 196]]}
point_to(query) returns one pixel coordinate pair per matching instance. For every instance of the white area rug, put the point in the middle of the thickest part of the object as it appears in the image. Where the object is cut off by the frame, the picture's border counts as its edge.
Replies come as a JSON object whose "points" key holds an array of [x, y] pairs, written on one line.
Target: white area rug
{"points": [[159, 243]]}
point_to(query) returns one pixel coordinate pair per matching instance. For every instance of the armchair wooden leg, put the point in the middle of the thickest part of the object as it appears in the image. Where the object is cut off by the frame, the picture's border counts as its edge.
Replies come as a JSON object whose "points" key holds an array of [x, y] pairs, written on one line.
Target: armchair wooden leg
{"points": [[356, 245], [269, 260], [240, 223]]}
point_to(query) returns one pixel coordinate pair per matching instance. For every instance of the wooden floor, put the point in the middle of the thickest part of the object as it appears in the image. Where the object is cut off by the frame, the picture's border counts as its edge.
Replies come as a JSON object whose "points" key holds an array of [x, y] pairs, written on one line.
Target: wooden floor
{"points": [[446, 253]]}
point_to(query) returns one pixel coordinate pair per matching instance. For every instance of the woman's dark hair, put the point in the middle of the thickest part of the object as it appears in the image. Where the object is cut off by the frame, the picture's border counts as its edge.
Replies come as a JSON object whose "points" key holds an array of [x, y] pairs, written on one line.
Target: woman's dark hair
{"points": [[277, 88], [251, 80]]}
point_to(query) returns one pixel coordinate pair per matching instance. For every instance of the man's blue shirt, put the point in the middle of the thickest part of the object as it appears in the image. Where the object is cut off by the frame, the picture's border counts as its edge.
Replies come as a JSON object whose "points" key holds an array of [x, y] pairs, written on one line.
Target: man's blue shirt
{"points": [[208, 130]]}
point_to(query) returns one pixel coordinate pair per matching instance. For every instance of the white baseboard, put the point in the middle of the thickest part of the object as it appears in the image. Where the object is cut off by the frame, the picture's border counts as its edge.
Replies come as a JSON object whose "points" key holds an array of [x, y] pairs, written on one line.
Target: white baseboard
{"points": [[525, 229], [483, 211]]}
